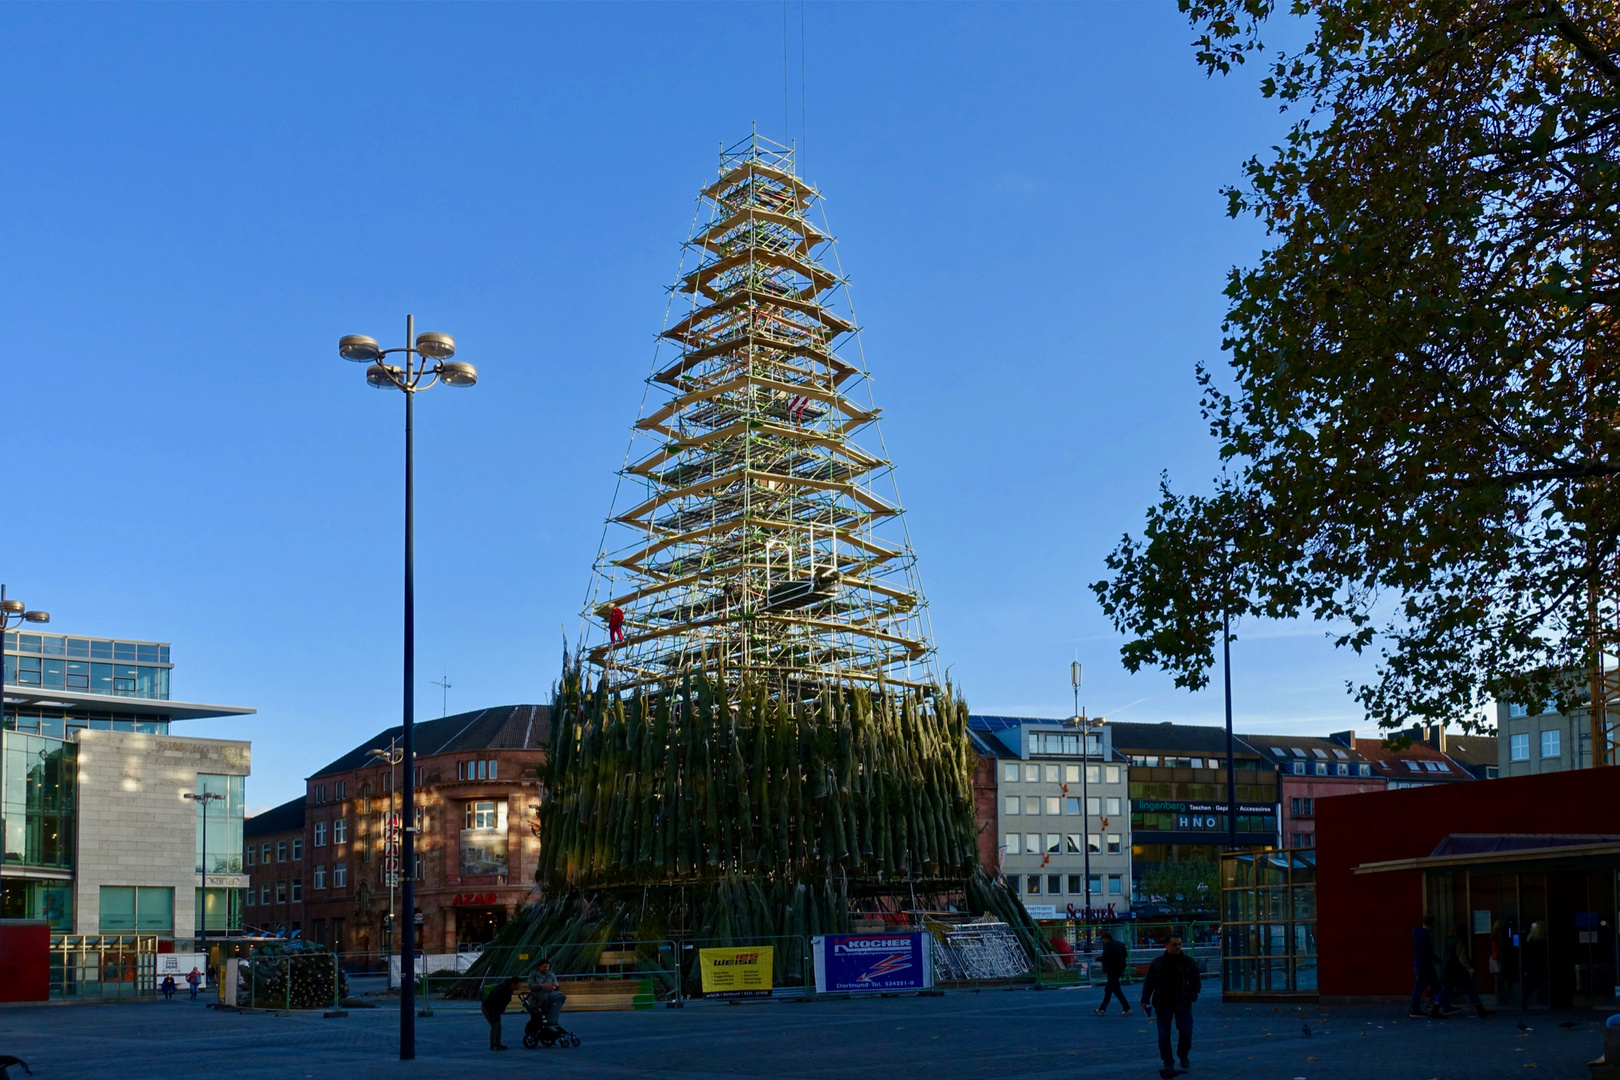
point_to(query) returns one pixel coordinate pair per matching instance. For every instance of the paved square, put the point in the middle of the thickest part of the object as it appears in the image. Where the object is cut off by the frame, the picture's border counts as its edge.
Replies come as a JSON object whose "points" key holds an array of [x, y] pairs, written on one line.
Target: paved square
{"points": [[955, 1037]]}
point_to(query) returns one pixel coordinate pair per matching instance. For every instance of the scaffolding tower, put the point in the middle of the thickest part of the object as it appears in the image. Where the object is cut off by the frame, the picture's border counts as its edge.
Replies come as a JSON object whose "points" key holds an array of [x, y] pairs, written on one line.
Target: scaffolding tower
{"points": [[750, 534]]}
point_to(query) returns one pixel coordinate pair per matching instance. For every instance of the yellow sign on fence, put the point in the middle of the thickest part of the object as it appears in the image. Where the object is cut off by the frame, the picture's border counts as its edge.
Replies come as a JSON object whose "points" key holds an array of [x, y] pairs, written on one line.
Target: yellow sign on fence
{"points": [[737, 972]]}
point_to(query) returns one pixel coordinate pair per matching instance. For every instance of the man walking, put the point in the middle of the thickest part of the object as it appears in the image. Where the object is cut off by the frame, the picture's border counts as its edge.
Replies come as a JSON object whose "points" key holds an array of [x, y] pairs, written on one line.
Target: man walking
{"points": [[494, 1005], [1425, 972], [543, 987], [1113, 965], [1171, 987]]}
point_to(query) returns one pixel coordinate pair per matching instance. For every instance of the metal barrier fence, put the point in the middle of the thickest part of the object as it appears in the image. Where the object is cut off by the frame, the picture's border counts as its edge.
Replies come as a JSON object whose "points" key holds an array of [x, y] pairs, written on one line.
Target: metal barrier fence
{"points": [[1143, 942]]}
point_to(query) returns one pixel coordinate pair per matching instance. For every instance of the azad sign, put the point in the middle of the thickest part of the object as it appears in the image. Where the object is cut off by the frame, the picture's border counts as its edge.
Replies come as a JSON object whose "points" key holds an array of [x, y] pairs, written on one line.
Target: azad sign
{"points": [[863, 962], [472, 899]]}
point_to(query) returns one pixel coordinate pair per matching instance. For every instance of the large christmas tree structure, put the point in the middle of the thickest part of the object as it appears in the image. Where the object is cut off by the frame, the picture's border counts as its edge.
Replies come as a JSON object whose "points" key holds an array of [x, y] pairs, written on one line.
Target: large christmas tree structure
{"points": [[752, 738]]}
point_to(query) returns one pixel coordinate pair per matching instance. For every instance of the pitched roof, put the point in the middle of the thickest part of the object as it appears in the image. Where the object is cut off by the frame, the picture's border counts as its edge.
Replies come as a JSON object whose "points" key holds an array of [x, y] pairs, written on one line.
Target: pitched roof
{"points": [[288, 817], [1313, 748], [1397, 764], [504, 727], [1175, 738], [1472, 750]]}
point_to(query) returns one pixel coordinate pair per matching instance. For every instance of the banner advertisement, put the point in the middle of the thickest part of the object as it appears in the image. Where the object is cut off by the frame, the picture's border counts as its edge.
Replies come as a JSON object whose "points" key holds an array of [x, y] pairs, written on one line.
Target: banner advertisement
{"points": [[852, 963], [737, 972]]}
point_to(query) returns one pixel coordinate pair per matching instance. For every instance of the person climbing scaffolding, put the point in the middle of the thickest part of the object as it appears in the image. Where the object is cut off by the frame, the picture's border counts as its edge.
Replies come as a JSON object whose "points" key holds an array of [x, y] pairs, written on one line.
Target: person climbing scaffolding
{"points": [[616, 624]]}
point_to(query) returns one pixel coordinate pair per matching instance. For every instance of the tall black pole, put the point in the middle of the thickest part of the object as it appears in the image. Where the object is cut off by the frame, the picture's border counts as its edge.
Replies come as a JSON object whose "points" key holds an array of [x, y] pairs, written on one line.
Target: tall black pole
{"points": [[407, 900], [203, 915], [1231, 773]]}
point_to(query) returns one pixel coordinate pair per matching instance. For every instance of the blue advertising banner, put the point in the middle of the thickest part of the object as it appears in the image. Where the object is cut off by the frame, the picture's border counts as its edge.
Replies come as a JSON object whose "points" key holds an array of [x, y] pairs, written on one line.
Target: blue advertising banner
{"points": [[857, 962]]}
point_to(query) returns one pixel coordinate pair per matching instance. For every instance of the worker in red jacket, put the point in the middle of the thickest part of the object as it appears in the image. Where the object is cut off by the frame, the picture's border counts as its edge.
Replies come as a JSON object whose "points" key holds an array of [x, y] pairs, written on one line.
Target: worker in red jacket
{"points": [[616, 624]]}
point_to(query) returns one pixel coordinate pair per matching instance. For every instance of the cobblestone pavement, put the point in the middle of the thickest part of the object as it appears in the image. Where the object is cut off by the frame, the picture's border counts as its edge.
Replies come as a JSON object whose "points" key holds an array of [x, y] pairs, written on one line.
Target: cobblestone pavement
{"points": [[956, 1037]]}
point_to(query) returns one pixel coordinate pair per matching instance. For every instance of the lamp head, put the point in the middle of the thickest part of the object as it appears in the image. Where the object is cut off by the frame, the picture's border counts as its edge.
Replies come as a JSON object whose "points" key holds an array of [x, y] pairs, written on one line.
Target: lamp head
{"points": [[12, 607], [382, 375], [359, 348], [37, 616], [457, 373], [435, 346]]}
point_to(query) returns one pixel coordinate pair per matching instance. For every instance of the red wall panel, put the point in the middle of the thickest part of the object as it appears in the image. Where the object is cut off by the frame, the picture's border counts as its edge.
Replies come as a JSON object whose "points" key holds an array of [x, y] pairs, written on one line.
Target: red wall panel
{"points": [[25, 960]]}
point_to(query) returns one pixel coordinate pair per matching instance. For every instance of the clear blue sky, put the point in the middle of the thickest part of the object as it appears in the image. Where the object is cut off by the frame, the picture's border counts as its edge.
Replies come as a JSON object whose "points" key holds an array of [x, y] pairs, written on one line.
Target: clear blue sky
{"points": [[201, 198]]}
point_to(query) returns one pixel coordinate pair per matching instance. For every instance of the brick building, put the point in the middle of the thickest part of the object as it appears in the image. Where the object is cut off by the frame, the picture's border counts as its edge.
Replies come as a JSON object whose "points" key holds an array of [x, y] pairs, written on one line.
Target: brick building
{"points": [[1310, 769], [476, 796], [273, 856]]}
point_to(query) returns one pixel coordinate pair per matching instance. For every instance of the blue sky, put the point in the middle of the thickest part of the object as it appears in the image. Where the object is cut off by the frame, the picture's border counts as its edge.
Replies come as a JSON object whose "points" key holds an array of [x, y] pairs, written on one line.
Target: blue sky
{"points": [[202, 198]]}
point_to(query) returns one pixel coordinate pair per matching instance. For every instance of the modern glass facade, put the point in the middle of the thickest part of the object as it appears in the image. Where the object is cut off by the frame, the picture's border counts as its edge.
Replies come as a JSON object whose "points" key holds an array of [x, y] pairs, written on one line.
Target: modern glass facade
{"points": [[65, 723], [22, 898], [219, 909], [224, 853], [37, 797], [1268, 924], [137, 669]]}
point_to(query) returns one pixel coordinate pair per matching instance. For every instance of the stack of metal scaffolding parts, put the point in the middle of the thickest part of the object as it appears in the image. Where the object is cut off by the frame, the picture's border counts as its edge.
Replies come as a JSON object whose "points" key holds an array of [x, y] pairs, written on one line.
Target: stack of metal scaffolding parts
{"points": [[983, 949], [748, 535]]}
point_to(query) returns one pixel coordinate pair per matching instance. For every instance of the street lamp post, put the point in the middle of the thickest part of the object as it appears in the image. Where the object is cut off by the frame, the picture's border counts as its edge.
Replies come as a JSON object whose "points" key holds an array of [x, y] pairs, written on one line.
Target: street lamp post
{"points": [[392, 756], [427, 362], [202, 799], [15, 613], [1084, 725]]}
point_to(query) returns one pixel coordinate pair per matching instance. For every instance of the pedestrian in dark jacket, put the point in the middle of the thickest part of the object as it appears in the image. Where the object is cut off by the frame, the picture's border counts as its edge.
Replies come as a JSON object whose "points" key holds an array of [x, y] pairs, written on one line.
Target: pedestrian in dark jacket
{"points": [[494, 1005], [1425, 971], [168, 988], [1171, 987], [1113, 966], [1459, 968]]}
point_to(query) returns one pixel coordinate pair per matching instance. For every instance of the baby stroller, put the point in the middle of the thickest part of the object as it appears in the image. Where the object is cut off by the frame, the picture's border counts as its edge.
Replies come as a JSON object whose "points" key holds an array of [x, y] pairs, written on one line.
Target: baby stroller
{"points": [[539, 1031]]}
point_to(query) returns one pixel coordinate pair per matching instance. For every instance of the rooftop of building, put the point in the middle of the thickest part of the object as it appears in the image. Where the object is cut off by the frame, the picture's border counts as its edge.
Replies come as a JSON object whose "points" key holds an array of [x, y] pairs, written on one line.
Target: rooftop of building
{"points": [[502, 727], [1204, 739], [1301, 748], [1472, 750], [1417, 761], [288, 817]]}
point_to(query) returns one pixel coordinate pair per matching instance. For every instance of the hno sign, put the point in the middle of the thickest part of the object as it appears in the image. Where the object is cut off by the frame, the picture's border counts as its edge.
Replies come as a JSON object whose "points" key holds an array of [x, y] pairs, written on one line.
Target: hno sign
{"points": [[473, 899]]}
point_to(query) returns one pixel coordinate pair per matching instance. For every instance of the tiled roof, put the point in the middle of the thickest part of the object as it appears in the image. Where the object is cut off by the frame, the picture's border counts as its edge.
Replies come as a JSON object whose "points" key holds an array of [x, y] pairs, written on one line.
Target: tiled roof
{"points": [[288, 817], [1472, 750], [504, 727], [1175, 738], [1393, 764], [1315, 748]]}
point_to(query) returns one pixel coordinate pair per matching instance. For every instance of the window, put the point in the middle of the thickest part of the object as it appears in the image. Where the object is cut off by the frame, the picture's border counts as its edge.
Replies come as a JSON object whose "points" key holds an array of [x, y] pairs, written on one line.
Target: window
{"points": [[1519, 747], [340, 830], [340, 875], [1032, 843], [1096, 884], [1011, 843], [251, 853], [1032, 773], [1054, 843], [318, 791], [281, 851], [481, 815], [1549, 742], [1298, 752], [264, 853], [1071, 805], [342, 790], [1113, 807], [1116, 882], [1198, 763], [1074, 885], [1516, 711], [320, 834], [1054, 884], [1341, 768], [1366, 770], [1112, 772], [1012, 804], [1297, 768], [1032, 804], [264, 895], [1093, 774], [1009, 772], [298, 890], [1051, 774], [1071, 843], [248, 899], [297, 849], [1093, 806], [320, 876], [1303, 807], [137, 908], [1435, 766], [1034, 884], [461, 770], [281, 892], [1053, 805], [1071, 774], [1341, 755], [1302, 839], [1094, 843], [1013, 881], [1318, 769], [1413, 766], [1113, 843]]}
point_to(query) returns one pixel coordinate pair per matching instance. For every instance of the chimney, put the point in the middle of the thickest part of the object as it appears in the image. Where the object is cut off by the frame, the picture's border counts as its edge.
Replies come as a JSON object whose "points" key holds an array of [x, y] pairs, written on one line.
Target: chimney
{"points": [[1435, 736], [1346, 739]]}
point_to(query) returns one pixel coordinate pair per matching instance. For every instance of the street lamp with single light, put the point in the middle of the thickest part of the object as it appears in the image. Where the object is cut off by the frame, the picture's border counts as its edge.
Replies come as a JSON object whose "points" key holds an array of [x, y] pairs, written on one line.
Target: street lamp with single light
{"points": [[202, 799]]}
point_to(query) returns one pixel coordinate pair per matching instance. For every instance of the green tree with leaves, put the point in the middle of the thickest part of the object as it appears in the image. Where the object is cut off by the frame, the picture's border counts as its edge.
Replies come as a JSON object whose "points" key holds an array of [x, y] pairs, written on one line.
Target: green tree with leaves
{"points": [[1186, 889], [1418, 428]]}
